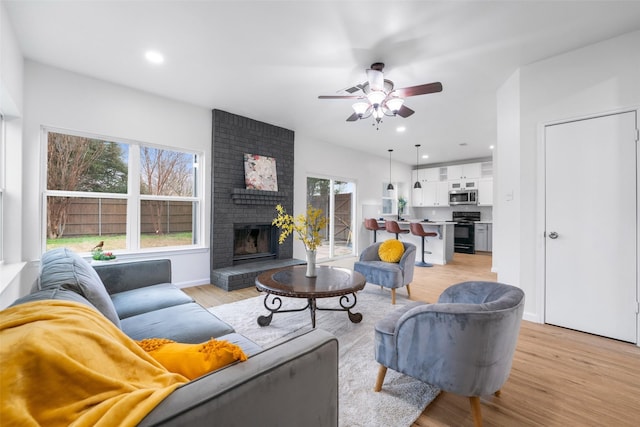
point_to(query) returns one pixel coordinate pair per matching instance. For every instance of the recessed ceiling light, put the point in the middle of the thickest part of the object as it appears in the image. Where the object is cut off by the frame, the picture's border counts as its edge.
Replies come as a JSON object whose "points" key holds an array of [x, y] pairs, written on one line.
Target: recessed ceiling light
{"points": [[401, 129], [425, 156], [154, 57], [491, 147]]}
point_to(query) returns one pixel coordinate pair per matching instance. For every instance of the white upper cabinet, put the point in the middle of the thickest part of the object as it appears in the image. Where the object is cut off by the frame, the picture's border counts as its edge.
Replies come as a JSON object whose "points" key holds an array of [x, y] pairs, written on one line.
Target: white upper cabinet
{"points": [[424, 196], [466, 171], [485, 192]]}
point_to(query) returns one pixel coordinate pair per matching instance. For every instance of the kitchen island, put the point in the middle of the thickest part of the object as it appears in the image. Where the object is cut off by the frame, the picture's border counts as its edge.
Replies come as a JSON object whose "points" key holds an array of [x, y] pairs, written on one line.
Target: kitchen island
{"points": [[441, 247]]}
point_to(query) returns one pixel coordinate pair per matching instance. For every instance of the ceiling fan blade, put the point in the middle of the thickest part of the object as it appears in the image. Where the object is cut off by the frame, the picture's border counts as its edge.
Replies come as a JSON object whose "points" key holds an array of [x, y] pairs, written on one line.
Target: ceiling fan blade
{"points": [[405, 111], [352, 118], [355, 88], [420, 89], [339, 97], [376, 79]]}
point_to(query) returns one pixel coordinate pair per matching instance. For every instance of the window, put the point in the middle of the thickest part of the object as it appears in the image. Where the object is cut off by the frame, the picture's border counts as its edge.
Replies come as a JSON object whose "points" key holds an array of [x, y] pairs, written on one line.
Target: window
{"points": [[130, 196]]}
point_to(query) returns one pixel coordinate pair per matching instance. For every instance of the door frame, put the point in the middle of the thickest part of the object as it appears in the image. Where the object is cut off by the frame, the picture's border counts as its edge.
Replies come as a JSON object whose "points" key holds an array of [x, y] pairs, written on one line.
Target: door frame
{"points": [[540, 201], [331, 218]]}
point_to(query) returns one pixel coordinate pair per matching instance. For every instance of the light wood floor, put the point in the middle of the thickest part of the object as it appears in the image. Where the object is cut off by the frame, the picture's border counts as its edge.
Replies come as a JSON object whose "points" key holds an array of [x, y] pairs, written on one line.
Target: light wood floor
{"points": [[559, 377]]}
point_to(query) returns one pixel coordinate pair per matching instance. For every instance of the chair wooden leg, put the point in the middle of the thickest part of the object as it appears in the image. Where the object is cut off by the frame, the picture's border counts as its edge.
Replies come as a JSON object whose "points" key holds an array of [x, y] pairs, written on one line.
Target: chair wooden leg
{"points": [[497, 393], [408, 292], [475, 410], [381, 373], [393, 296]]}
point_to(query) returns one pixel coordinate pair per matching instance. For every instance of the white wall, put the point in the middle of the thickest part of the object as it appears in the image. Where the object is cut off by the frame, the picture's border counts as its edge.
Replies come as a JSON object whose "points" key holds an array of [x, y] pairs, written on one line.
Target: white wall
{"points": [[15, 276], [598, 78], [506, 199], [61, 99]]}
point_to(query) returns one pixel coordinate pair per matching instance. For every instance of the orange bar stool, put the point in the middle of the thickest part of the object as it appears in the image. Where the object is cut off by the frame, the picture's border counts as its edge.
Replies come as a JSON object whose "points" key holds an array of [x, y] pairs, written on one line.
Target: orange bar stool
{"points": [[418, 230], [393, 227], [372, 224]]}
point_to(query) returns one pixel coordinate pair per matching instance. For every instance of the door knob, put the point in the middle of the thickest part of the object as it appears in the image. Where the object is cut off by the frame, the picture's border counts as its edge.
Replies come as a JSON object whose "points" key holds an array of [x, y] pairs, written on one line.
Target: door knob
{"points": [[553, 235]]}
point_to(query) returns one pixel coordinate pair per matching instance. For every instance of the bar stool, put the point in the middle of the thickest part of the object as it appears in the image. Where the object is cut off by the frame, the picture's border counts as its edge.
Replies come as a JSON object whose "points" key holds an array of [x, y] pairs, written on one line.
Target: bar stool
{"points": [[417, 230], [372, 224], [393, 227]]}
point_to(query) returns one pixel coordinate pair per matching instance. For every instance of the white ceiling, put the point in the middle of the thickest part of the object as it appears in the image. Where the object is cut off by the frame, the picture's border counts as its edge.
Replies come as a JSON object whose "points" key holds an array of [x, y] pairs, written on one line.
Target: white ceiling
{"points": [[269, 60]]}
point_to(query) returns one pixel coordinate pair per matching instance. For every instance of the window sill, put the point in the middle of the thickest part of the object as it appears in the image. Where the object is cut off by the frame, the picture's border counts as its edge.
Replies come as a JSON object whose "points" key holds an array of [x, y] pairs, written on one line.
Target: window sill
{"points": [[148, 254], [8, 273]]}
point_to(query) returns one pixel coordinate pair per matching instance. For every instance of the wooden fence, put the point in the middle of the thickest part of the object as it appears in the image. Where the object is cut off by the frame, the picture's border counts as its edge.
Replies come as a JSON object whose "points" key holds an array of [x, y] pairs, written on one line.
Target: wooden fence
{"points": [[91, 217]]}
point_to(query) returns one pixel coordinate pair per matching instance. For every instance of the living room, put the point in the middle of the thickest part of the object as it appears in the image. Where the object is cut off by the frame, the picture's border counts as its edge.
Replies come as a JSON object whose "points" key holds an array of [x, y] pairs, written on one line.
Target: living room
{"points": [[597, 76], [140, 116]]}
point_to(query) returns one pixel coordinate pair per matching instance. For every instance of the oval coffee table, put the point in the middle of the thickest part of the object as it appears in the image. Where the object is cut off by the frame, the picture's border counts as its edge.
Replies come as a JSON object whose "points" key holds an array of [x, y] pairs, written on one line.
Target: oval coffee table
{"points": [[291, 282]]}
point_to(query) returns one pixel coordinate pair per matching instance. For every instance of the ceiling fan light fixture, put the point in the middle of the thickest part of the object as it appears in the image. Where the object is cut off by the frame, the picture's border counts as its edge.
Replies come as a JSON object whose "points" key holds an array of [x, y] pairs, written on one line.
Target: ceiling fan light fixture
{"points": [[394, 104], [376, 97], [360, 108]]}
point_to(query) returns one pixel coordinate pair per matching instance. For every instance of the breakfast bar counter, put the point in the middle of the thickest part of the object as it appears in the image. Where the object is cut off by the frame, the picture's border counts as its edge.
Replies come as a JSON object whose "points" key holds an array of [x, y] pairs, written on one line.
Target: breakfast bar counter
{"points": [[441, 247]]}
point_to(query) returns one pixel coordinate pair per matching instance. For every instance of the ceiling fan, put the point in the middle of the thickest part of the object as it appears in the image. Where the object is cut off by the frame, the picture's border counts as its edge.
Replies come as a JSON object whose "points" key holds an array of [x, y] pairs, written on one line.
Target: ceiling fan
{"points": [[379, 98]]}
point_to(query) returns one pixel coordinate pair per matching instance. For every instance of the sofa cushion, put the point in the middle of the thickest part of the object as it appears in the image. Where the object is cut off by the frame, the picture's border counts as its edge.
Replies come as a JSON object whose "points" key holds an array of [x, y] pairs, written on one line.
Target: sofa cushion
{"points": [[381, 273], [193, 360], [150, 298], [187, 323], [64, 268], [391, 250], [58, 293]]}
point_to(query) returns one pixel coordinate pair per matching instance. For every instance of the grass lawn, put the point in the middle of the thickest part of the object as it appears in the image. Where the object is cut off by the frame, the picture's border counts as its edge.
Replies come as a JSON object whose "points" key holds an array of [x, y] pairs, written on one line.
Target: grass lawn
{"points": [[118, 242]]}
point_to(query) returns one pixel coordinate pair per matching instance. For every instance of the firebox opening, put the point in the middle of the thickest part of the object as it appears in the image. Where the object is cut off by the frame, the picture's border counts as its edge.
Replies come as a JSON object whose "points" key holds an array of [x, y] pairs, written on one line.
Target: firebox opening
{"points": [[254, 242]]}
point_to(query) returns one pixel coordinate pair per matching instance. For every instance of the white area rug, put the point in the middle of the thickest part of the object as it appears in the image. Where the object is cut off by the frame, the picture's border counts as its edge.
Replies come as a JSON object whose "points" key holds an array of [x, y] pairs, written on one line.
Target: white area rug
{"points": [[402, 398]]}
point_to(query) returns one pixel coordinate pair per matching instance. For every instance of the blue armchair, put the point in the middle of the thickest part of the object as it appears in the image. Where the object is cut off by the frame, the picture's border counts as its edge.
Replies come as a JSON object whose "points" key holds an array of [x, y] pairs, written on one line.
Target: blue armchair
{"points": [[464, 344], [388, 274]]}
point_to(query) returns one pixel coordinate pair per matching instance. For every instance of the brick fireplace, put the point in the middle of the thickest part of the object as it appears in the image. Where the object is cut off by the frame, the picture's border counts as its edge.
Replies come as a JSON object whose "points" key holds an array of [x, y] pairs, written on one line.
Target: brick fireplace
{"points": [[238, 212]]}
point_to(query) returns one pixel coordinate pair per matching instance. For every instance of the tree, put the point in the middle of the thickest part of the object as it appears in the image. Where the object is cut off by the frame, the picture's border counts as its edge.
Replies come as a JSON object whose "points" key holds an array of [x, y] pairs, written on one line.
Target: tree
{"points": [[77, 163], [164, 173]]}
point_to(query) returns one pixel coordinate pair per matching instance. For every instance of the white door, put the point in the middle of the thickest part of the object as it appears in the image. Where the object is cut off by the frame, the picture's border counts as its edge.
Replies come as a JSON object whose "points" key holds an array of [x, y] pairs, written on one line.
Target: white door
{"points": [[591, 226]]}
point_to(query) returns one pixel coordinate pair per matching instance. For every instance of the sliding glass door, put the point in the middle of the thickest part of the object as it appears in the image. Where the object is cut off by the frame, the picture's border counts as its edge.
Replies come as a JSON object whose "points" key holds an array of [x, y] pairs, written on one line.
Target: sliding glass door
{"points": [[336, 199]]}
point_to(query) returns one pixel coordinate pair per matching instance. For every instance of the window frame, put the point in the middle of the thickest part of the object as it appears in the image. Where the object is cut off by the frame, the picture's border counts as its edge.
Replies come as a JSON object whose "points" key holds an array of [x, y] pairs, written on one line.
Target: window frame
{"points": [[133, 196]]}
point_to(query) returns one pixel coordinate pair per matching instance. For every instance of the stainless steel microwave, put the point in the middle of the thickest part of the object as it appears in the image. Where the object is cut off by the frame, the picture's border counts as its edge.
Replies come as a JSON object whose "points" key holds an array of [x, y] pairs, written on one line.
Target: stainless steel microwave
{"points": [[463, 197]]}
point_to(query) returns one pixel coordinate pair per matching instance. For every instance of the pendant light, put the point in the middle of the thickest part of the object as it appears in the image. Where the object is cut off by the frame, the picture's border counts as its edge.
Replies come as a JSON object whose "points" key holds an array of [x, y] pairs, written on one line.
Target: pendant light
{"points": [[417, 183], [390, 186]]}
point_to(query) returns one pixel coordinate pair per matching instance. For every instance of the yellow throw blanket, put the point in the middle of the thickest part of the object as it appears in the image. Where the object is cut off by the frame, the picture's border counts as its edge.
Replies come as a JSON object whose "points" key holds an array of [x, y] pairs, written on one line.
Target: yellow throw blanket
{"points": [[63, 363]]}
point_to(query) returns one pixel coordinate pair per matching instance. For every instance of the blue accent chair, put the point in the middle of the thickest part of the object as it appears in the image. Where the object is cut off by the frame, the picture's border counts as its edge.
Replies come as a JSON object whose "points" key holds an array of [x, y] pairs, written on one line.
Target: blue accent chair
{"points": [[387, 274], [464, 344]]}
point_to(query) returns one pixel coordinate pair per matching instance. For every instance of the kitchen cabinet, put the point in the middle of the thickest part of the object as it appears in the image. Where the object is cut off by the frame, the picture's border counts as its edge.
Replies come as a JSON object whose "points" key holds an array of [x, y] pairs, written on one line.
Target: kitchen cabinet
{"points": [[483, 240], [485, 192], [435, 194], [430, 182], [463, 184], [463, 172]]}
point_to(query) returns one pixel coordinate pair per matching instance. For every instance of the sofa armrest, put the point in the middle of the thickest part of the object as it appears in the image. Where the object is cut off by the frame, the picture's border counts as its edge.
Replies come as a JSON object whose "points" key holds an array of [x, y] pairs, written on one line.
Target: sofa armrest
{"points": [[125, 276], [291, 384]]}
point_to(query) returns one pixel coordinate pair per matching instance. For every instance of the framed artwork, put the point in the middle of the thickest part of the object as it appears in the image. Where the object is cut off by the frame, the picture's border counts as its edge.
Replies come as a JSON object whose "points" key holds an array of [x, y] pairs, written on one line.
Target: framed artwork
{"points": [[260, 172]]}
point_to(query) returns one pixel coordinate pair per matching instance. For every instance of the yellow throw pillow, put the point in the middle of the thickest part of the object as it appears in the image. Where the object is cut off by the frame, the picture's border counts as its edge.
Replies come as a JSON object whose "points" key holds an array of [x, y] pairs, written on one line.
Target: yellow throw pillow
{"points": [[391, 250], [192, 360]]}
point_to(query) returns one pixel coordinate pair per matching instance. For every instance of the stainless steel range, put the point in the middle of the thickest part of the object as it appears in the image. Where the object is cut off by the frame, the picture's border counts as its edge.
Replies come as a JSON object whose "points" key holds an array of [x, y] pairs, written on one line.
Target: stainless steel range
{"points": [[464, 231]]}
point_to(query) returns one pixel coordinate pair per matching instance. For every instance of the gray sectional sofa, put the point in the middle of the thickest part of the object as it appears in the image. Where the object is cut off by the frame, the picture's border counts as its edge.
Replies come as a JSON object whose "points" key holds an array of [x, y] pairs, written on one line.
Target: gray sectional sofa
{"points": [[264, 390]]}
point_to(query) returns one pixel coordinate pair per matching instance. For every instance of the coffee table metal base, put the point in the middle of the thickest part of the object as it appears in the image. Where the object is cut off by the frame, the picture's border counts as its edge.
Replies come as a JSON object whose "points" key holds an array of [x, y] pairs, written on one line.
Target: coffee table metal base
{"points": [[347, 302]]}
